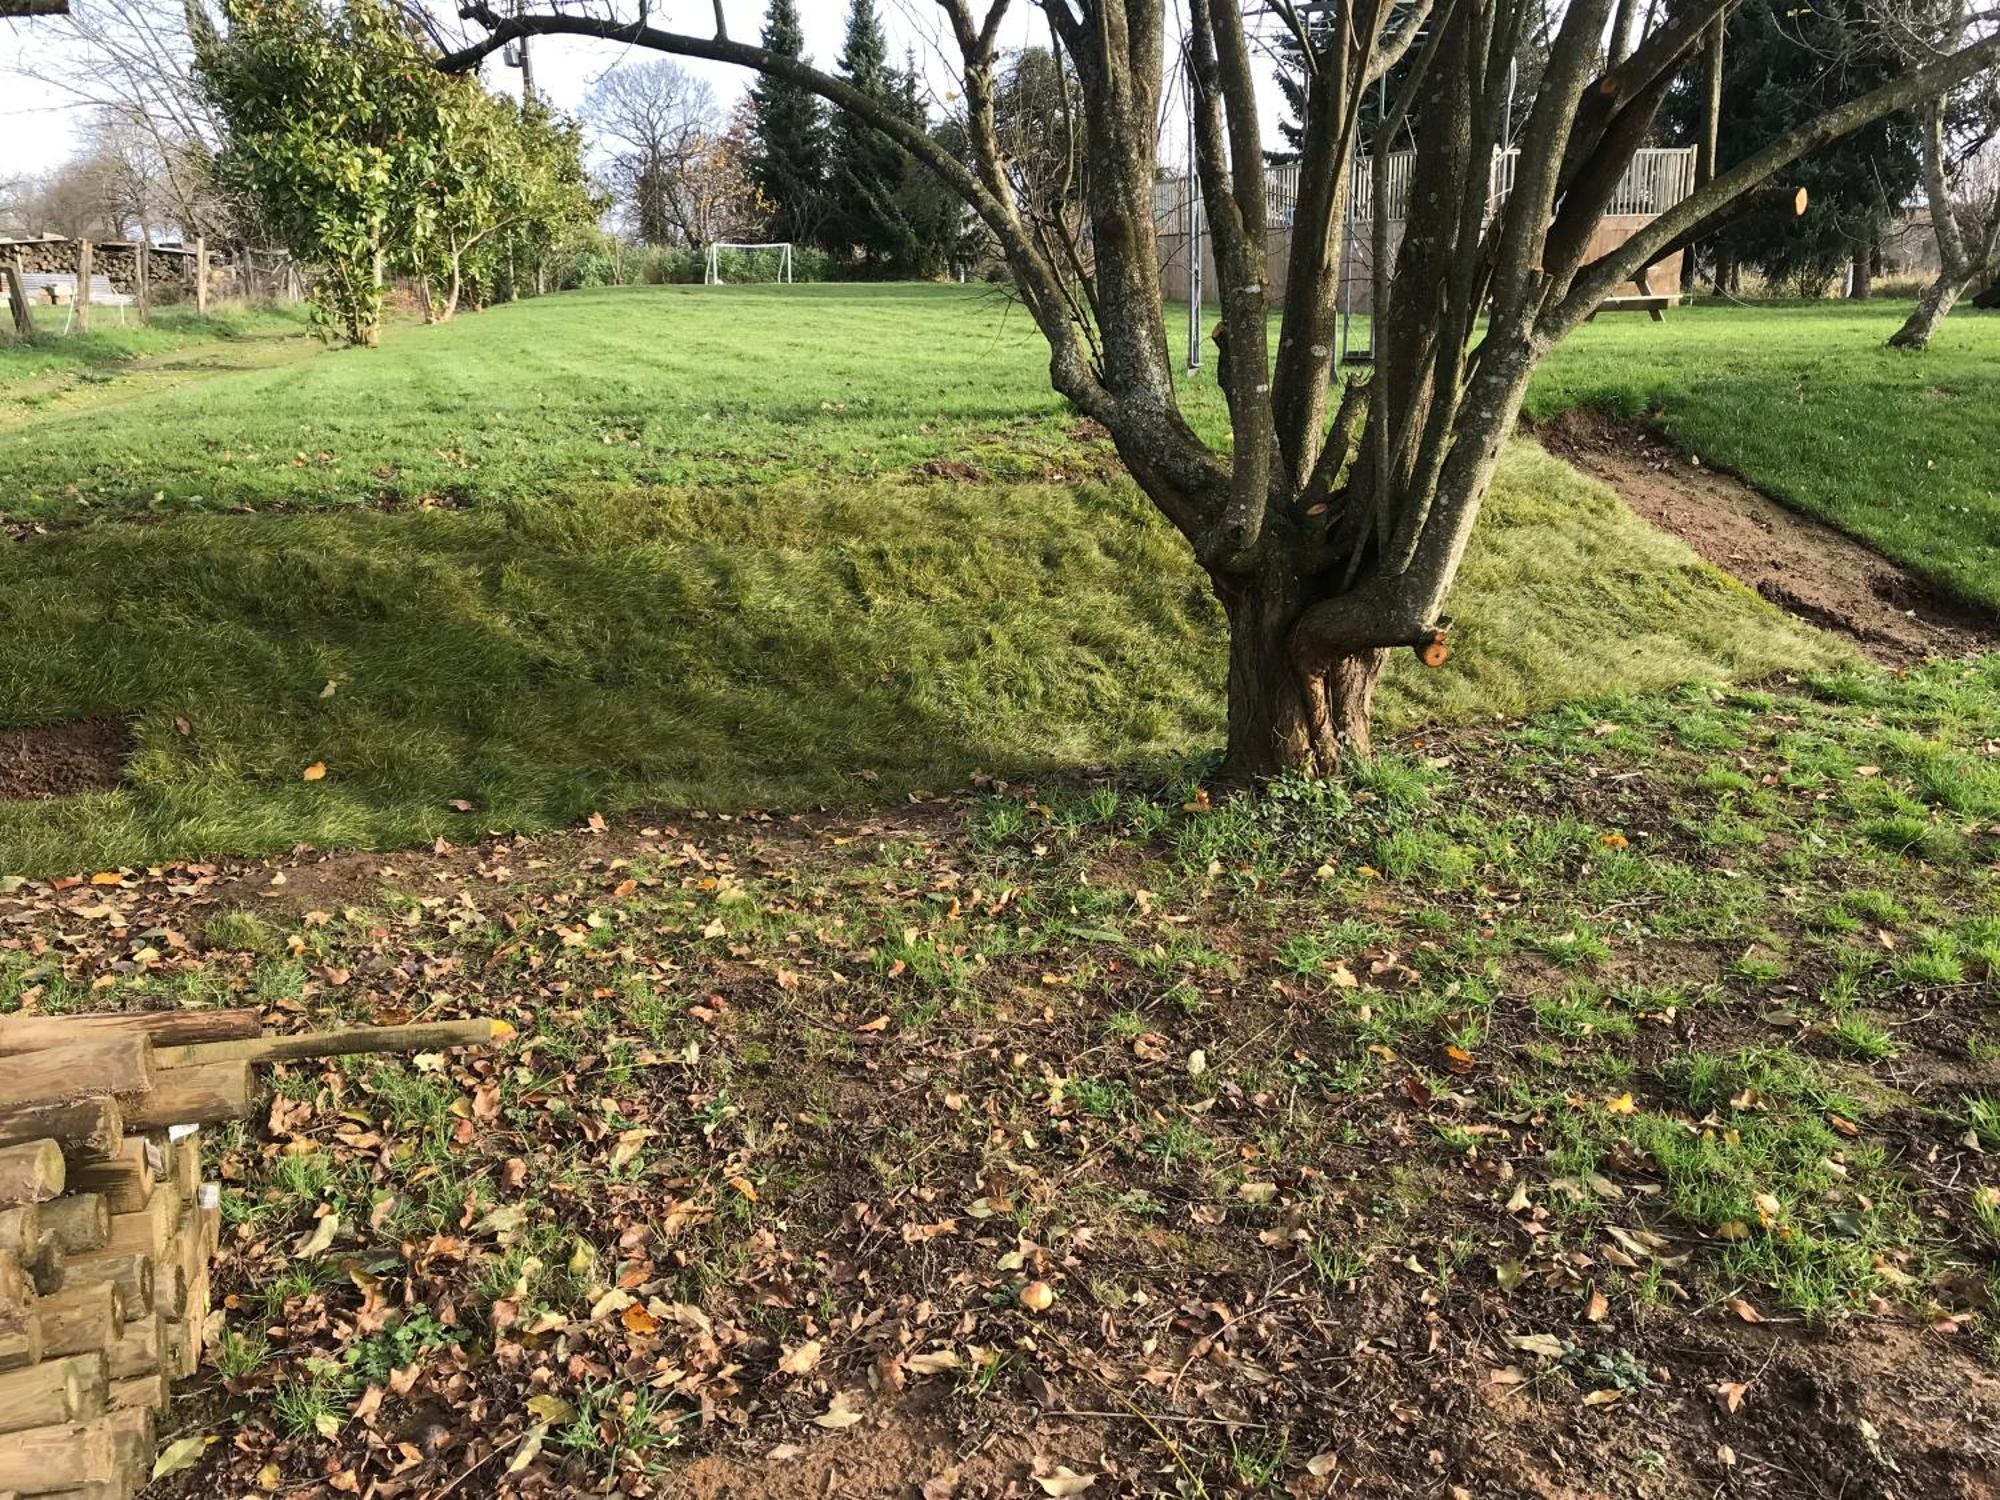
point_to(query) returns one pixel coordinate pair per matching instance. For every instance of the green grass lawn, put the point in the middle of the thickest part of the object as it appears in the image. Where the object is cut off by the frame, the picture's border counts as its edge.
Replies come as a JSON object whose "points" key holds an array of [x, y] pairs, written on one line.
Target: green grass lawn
{"points": [[1900, 449], [117, 360], [683, 546]]}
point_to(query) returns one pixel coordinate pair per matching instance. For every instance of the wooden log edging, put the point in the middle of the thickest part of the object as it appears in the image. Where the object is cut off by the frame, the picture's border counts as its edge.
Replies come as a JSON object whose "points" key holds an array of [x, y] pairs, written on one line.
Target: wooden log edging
{"points": [[107, 1228]]}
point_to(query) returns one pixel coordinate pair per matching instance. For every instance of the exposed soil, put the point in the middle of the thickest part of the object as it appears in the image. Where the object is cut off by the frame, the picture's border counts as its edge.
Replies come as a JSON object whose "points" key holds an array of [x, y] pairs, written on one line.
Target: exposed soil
{"points": [[1803, 566], [60, 760]]}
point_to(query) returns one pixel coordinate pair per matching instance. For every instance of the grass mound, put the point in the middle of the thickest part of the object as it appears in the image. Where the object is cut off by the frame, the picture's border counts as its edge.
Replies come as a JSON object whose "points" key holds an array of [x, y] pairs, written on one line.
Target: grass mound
{"points": [[822, 622]]}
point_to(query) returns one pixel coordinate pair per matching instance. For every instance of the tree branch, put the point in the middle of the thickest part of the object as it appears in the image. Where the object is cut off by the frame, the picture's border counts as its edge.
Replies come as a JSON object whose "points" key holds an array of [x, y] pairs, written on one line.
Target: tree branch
{"points": [[1597, 279]]}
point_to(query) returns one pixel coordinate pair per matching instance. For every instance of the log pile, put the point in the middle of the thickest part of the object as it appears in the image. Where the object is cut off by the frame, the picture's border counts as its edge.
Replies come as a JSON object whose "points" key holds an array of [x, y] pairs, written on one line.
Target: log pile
{"points": [[107, 1228]]}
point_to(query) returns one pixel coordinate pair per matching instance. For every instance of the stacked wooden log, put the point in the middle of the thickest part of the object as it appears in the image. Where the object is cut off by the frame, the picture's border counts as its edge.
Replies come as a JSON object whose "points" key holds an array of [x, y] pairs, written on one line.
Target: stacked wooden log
{"points": [[107, 1228]]}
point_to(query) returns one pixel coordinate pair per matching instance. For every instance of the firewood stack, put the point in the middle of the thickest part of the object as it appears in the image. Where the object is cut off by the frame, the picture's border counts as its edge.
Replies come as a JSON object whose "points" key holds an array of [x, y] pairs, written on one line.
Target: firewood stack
{"points": [[107, 1228]]}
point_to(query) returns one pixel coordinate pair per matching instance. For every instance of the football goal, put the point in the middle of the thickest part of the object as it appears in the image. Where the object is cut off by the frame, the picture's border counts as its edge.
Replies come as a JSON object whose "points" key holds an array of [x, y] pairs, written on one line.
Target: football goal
{"points": [[748, 262]]}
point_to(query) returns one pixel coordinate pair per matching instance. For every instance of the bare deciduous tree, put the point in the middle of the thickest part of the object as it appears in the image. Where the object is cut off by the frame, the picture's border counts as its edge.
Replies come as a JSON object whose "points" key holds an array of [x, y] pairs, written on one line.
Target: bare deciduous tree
{"points": [[1333, 524], [673, 159], [130, 64]]}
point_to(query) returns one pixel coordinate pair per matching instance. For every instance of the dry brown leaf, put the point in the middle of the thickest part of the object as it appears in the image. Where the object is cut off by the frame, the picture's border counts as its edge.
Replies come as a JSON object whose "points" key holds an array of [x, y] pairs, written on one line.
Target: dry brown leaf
{"points": [[1065, 1481], [840, 1413], [801, 1357]]}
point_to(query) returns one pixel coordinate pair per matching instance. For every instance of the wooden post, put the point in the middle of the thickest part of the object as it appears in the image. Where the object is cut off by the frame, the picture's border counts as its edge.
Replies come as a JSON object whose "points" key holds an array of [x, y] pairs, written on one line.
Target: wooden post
{"points": [[82, 1070], [142, 278], [82, 304], [201, 275], [166, 1027], [199, 1095], [90, 1129], [17, 298]]}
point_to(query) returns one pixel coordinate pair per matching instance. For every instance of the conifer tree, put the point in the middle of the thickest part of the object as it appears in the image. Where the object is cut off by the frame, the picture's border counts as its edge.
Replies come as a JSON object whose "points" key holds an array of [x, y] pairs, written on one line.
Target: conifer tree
{"points": [[867, 167], [788, 160]]}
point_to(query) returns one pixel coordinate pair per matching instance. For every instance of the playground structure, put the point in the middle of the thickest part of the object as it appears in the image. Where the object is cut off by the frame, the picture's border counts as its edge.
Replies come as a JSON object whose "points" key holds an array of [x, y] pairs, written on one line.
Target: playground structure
{"points": [[1656, 179]]}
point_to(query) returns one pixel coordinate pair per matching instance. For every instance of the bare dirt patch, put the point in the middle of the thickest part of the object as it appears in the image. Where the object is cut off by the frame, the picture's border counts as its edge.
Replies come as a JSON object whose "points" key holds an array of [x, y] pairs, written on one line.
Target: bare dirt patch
{"points": [[60, 760], [1803, 566]]}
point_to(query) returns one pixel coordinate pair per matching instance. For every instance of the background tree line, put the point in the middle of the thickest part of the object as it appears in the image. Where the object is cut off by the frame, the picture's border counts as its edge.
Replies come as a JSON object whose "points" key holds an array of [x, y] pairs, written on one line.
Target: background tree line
{"points": [[786, 166]]}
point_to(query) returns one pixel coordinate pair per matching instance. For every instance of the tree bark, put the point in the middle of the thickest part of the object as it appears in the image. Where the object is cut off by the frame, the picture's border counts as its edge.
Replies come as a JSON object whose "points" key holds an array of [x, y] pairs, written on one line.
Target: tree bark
{"points": [[1937, 301], [1954, 271], [1268, 729]]}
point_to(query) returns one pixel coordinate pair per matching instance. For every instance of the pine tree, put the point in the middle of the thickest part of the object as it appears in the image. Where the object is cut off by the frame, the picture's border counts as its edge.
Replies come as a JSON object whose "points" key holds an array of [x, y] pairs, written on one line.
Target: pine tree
{"points": [[788, 159], [1782, 65], [867, 166]]}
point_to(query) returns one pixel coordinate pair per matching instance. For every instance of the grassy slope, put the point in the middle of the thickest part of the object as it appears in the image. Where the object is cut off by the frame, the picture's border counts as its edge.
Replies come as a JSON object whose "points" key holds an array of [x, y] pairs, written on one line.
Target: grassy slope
{"points": [[1897, 448], [58, 372], [676, 551]]}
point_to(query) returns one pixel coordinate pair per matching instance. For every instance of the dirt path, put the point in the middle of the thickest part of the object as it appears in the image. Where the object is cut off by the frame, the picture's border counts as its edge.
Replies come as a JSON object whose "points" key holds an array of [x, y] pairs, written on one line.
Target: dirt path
{"points": [[1803, 566]]}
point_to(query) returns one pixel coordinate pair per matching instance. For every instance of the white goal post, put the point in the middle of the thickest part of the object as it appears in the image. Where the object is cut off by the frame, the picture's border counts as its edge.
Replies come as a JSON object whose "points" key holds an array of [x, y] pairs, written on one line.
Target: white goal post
{"points": [[712, 272]]}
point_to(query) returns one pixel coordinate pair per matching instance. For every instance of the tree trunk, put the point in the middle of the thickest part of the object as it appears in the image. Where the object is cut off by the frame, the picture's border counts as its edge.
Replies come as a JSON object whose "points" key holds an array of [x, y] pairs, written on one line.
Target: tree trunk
{"points": [[1861, 285], [1309, 717], [1268, 730], [1938, 299], [1954, 272], [1350, 684]]}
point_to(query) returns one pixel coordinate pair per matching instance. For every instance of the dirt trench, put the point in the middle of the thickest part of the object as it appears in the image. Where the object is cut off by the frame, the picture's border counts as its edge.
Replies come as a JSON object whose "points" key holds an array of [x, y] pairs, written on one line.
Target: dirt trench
{"points": [[1802, 565]]}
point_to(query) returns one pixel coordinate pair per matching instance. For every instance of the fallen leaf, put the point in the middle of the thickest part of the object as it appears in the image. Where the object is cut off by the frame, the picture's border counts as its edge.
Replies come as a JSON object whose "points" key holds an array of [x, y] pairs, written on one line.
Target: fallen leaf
{"points": [[551, 1408], [314, 772], [637, 1320], [839, 1414], [1744, 1310], [1622, 1105], [1065, 1481], [1322, 1464], [800, 1358], [616, 1300], [182, 1453], [1547, 1345], [320, 1240], [1729, 1393], [1597, 1307], [1603, 1398], [934, 1362], [528, 1451]]}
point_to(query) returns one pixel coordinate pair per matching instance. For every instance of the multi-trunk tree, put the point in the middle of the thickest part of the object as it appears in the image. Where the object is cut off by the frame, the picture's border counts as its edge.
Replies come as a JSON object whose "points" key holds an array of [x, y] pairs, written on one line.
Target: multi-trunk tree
{"points": [[1333, 522]]}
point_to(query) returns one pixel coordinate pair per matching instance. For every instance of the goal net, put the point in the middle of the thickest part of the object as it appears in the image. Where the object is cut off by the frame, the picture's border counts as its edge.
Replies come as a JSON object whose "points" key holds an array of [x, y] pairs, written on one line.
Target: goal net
{"points": [[730, 262]]}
